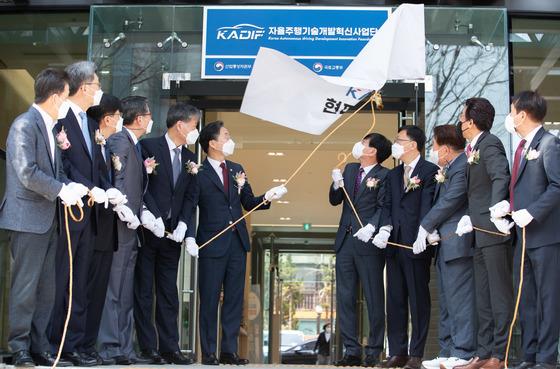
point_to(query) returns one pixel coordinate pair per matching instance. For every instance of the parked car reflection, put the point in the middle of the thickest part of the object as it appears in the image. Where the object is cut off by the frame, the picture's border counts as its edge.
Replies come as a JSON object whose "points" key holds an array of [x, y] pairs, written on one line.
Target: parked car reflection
{"points": [[300, 354]]}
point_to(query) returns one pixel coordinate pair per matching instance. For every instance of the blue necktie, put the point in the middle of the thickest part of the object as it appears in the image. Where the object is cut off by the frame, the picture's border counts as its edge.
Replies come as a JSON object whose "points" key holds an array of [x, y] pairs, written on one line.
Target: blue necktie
{"points": [[85, 131], [176, 164]]}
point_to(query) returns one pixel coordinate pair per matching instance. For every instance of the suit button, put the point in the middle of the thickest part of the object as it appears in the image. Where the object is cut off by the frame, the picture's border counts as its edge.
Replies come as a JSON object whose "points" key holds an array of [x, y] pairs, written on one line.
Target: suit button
{"points": [[230, 222], [230, 208]]}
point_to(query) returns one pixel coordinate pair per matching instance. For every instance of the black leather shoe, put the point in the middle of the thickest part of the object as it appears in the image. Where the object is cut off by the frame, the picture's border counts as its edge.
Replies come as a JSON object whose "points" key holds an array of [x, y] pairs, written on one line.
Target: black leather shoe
{"points": [[177, 358], [122, 360], [100, 360], [78, 359], [209, 359], [371, 361], [150, 357], [395, 362], [22, 359], [47, 359], [349, 360], [232, 359]]}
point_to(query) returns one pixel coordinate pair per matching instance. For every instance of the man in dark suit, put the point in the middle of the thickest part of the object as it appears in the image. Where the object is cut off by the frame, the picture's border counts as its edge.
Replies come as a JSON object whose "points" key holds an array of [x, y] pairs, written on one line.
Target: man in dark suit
{"points": [[454, 255], [31, 213], [356, 258], [221, 191], [410, 190], [535, 201], [82, 163], [487, 185], [158, 258]]}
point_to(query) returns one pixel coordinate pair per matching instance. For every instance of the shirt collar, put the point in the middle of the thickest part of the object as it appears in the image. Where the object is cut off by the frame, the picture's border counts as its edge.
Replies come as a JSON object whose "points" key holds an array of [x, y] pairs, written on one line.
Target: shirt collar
{"points": [[170, 143], [475, 139], [368, 169], [529, 138], [413, 163], [215, 163], [76, 109], [131, 133], [46, 117]]}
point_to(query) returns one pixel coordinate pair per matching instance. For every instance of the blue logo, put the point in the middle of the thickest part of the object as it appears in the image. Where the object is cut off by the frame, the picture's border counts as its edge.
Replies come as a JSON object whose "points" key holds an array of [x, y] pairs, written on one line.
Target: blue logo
{"points": [[317, 67], [243, 31], [218, 66]]}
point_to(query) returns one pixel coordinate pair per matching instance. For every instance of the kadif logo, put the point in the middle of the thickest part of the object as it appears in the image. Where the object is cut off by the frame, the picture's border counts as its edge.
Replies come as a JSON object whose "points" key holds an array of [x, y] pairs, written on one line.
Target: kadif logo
{"points": [[243, 31]]}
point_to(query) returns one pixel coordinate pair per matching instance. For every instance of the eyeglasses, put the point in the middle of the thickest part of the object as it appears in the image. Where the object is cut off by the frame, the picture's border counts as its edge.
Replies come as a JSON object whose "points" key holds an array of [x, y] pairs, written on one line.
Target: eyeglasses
{"points": [[401, 140], [93, 83]]}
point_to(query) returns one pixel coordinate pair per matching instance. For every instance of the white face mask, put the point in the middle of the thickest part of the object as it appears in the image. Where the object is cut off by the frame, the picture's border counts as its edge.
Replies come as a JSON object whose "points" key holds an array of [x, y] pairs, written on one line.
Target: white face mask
{"points": [[358, 150], [63, 110], [149, 127], [434, 156], [397, 150], [228, 148], [119, 125], [97, 97], [509, 124], [192, 136]]}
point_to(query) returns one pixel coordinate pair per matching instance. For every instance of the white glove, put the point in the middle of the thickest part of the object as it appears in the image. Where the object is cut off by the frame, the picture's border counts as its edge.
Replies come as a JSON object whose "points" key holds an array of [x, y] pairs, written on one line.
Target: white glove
{"points": [[380, 240], [148, 219], [79, 189], [192, 247], [420, 244], [99, 196], [434, 238], [464, 226], [502, 224], [500, 210], [338, 179], [116, 197], [365, 233], [68, 197], [158, 228], [275, 193], [133, 223], [178, 234], [124, 213], [522, 217]]}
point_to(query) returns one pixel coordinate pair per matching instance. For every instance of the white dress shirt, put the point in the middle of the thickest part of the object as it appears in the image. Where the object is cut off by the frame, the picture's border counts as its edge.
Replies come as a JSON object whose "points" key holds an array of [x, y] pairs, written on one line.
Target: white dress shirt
{"points": [[412, 165], [172, 147], [474, 141], [49, 125], [76, 110], [216, 165], [131, 133], [529, 138], [367, 170]]}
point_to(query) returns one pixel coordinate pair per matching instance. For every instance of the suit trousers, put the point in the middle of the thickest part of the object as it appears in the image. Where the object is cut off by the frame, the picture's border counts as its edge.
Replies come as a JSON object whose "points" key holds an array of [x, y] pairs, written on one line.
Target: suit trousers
{"points": [[408, 282], [540, 302], [227, 271], [157, 264], [494, 298], [32, 290], [352, 268], [457, 310], [116, 333], [82, 251]]}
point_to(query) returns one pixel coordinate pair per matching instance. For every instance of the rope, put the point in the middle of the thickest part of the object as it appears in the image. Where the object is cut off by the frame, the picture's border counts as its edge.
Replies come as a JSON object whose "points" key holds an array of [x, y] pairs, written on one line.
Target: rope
{"points": [[518, 300]]}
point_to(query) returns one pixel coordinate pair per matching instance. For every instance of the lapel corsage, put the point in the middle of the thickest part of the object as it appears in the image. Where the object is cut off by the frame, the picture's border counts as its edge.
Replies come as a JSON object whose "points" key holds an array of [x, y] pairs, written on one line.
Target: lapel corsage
{"points": [[116, 162], [412, 184], [532, 154], [372, 183], [192, 167], [151, 164], [240, 179], [474, 157], [441, 175], [62, 140], [99, 138]]}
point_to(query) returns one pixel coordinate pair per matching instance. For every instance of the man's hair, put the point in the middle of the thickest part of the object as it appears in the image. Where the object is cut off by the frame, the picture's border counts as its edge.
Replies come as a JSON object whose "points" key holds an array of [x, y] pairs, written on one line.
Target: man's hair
{"points": [[181, 111], [48, 82], [381, 143], [326, 325], [532, 103], [415, 134], [132, 107], [481, 111], [109, 105], [79, 73], [448, 135], [210, 132]]}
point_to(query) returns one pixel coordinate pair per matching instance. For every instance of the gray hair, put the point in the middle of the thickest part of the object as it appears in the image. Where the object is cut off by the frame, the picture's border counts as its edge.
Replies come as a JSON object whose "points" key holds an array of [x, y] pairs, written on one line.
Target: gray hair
{"points": [[78, 73]]}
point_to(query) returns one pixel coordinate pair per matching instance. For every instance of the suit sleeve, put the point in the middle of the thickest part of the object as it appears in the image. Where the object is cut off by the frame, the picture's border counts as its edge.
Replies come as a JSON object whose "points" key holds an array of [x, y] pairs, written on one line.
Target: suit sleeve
{"points": [[73, 173], [149, 200], [385, 217], [550, 198], [497, 167], [193, 192], [21, 142], [380, 203], [336, 196], [452, 200], [249, 201], [428, 191], [189, 208], [120, 149]]}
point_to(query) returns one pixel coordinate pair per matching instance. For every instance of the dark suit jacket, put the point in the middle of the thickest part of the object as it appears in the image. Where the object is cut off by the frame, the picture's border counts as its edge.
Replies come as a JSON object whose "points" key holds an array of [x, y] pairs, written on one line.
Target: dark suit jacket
{"points": [[404, 210], [450, 205], [537, 189], [107, 219], [487, 185], [217, 209], [368, 203], [323, 346], [162, 194]]}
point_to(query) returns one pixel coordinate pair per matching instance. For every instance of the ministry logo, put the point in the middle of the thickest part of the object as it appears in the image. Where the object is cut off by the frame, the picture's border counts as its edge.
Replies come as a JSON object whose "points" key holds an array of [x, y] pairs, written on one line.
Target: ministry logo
{"points": [[243, 31]]}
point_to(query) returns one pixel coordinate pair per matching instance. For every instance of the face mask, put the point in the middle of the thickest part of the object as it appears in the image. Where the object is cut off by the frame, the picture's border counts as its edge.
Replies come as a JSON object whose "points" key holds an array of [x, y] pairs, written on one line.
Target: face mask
{"points": [[192, 136], [97, 97], [358, 150], [434, 156], [228, 148], [63, 110], [397, 150], [509, 124], [149, 127], [119, 126]]}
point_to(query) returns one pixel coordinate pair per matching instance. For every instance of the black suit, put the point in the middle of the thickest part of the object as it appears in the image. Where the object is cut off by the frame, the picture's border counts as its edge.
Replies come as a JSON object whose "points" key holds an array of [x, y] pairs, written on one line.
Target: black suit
{"points": [[357, 261], [82, 167], [158, 258], [222, 262], [487, 185], [408, 275]]}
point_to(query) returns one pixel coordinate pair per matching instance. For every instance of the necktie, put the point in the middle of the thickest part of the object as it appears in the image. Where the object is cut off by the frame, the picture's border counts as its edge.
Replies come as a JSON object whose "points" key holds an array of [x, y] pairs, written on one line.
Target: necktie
{"points": [[225, 177], [176, 164], [406, 174], [469, 149], [514, 170], [138, 150], [85, 131], [358, 181], [107, 156]]}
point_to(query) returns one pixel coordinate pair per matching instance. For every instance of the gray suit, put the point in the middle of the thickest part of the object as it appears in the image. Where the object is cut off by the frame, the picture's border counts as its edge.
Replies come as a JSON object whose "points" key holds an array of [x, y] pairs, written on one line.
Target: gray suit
{"points": [[537, 189], [117, 324], [29, 211], [487, 184], [454, 263]]}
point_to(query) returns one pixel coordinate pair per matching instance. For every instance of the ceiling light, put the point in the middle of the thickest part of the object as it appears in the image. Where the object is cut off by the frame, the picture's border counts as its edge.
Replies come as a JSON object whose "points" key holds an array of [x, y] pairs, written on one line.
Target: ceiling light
{"points": [[275, 153], [279, 180], [285, 218], [282, 202]]}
